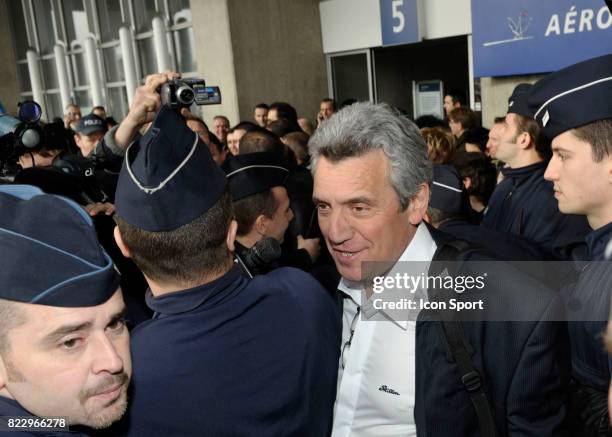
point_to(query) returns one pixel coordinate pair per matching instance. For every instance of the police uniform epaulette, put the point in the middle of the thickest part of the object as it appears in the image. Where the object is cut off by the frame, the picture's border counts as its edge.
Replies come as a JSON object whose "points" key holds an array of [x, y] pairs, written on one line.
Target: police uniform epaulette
{"points": [[587, 85]]}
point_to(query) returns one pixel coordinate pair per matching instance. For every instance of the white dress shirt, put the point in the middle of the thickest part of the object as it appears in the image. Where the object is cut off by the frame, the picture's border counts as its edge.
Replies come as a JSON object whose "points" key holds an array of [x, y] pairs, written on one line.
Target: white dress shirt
{"points": [[376, 387]]}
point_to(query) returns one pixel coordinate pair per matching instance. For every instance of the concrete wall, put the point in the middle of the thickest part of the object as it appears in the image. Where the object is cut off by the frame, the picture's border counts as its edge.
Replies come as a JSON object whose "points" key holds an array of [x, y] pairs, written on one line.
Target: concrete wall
{"points": [[444, 18], [215, 56], [350, 24], [278, 54], [355, 24], [9, 85], [495, 93]]}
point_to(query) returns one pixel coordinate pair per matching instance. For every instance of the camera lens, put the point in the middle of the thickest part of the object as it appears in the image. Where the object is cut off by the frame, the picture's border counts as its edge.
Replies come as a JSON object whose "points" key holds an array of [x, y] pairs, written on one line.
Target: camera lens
{"points": [[29, 111], [185, 95]]}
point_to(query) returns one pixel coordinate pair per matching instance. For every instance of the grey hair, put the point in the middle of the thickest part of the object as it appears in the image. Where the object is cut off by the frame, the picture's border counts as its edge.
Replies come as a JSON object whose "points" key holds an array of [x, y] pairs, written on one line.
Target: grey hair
{"points": [[365, 127]]}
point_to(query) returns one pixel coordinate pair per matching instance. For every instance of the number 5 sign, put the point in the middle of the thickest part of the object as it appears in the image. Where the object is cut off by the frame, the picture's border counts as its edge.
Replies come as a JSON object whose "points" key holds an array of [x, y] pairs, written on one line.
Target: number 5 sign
{"points": [[399, 21]]}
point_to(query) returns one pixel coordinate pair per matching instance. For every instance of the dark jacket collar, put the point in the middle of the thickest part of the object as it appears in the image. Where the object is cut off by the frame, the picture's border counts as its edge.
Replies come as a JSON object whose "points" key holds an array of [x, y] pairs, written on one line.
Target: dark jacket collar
{"points": [[10, 407], [526, 171], [597, 241], [207, 294], [440, 237]]}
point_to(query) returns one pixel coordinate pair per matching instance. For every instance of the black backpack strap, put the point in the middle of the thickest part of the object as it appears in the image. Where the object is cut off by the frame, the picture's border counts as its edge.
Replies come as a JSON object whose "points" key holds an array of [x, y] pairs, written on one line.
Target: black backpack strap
{"points": [[459, 346]]}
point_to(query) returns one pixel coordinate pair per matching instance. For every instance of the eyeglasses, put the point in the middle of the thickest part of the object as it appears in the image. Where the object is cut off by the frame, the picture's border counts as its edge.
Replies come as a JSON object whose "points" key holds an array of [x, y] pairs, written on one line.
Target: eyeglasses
{"points": [[347, 345]]}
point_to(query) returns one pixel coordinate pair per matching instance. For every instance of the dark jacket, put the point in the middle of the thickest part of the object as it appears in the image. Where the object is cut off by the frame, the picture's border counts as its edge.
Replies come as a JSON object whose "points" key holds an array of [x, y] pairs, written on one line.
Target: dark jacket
{"points": [[237, 357], [588, 306], [524, 364], [524, 204]]}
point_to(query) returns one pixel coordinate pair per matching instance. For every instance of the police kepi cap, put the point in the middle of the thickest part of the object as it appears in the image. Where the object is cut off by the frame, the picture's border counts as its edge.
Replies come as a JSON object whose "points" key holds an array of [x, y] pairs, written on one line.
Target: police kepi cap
{"points": [[90, 124], [49, 251], [517, 103], [448, 193], [575, 96], [168, 177], [254, 173]]}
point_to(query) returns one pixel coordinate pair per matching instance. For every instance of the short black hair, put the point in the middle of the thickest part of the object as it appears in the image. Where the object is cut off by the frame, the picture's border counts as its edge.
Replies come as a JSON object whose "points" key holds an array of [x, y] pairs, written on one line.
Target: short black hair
{"points": [[282, 127], [285, 110], [247, 210], [187, 254], [262, 106], [457, 96], [481, 171], [260, 140], [244, 125], [430, 120]]}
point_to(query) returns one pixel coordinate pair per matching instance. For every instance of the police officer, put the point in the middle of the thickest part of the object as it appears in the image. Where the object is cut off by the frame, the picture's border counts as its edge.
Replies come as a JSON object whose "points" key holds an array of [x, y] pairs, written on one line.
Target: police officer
{"points": [[523, 203], [449, 210], [223, 355], [90, 139], [64, 346], [261, 204], [573, 108]]}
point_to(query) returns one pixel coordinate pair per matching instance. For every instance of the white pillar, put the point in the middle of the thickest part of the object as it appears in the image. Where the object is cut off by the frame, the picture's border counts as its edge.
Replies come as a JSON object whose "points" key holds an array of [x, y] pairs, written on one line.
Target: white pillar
{"points": [[129, 66], [36, 80], [161, 45], [93, 71], [62, 73]]}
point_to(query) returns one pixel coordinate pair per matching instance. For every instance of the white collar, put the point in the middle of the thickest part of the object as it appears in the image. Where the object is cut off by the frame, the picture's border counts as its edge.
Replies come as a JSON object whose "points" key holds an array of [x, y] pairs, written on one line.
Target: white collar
{"points": [[422, 247]]}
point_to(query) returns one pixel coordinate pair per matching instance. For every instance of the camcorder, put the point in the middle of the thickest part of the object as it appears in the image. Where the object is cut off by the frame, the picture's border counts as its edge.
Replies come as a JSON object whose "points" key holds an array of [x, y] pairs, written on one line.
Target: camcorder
{"points": [[18, 136], [69, 175], [182, 93]]}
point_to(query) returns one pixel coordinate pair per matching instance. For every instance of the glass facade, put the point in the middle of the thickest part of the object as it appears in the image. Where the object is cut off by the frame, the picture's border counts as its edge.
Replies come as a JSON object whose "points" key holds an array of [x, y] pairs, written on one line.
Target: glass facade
{"points": [[41, 24]]}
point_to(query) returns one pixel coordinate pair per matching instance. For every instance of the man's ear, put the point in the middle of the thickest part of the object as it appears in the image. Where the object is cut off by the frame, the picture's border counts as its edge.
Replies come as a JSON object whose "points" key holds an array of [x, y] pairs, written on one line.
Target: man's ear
{"points": [[230, 239], [524, 140], [77, 140], [119, 240], [418, 205], [261, 224]]}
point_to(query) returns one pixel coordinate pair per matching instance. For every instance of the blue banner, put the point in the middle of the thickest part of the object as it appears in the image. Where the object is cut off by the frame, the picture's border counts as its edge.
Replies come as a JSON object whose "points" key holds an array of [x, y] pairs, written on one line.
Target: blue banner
{"points": [[537, 36], [399, 20]]}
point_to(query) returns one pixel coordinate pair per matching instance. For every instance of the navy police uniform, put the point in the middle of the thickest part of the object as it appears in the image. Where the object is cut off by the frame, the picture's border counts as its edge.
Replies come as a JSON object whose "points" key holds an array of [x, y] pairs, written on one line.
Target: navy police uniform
{"points": [[253, 173], [50, 256], [524, 204], [448, 195], [576, 96], [233, 356]]}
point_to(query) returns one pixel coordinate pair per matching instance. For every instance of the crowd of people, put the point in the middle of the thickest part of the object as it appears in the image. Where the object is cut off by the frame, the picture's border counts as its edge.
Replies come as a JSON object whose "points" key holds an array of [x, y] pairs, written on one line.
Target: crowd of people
{"points": [[164, 276]]}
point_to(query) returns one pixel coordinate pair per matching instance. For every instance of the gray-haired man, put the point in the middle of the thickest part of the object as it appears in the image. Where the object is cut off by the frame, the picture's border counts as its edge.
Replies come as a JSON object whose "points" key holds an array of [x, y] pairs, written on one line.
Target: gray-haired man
{"points": [[371, 189]]}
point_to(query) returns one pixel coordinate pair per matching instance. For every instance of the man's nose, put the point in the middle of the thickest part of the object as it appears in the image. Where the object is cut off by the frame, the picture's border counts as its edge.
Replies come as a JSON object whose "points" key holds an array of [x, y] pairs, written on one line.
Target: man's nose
{"points": [[106, 356], [552, 171], [339, 228]]}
